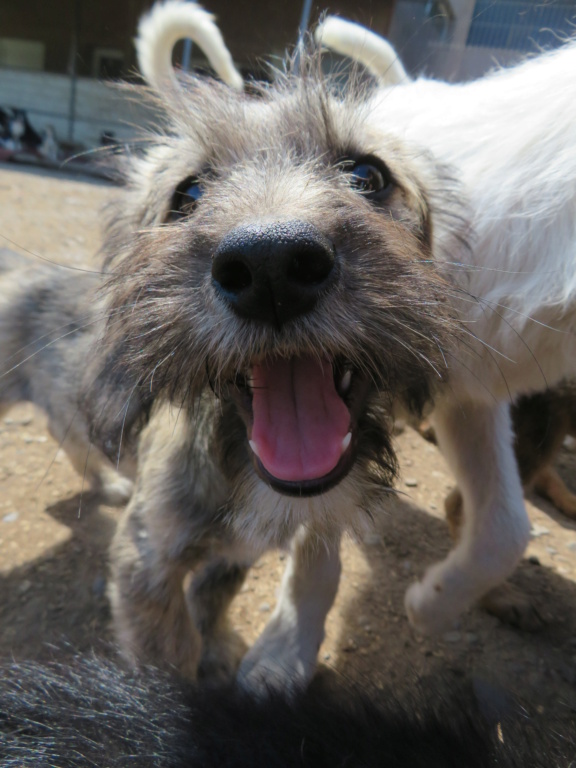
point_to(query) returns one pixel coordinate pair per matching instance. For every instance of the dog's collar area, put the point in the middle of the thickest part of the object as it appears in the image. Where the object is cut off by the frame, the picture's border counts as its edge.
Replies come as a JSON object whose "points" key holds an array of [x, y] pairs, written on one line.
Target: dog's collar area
{"points": [[301, 419]]}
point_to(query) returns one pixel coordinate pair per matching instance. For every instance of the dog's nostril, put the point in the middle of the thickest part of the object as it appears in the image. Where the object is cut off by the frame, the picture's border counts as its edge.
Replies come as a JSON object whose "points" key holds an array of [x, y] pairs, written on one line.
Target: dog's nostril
{"points": [[232, 276], [310, 266]]}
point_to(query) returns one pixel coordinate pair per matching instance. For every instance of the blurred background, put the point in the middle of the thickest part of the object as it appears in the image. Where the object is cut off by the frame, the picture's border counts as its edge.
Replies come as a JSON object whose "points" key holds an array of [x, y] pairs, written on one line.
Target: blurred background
{"points": [[56, 55]]}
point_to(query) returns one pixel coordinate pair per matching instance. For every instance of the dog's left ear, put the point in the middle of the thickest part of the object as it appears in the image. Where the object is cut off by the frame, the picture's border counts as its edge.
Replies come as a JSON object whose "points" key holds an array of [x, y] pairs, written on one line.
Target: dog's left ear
{"points": [[161, 28], [115, 404]]}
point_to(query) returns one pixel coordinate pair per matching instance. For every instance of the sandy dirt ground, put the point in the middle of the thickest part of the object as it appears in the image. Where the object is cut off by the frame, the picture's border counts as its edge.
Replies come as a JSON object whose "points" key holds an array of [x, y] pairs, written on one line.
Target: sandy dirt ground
{"points": [[54, 537]]}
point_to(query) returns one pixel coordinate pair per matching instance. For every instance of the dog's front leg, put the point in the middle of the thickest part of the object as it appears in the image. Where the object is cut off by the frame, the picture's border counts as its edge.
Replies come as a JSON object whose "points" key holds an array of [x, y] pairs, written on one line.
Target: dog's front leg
{"points": [[209, 596], [476, 439], [151, 617], [284, 656]]}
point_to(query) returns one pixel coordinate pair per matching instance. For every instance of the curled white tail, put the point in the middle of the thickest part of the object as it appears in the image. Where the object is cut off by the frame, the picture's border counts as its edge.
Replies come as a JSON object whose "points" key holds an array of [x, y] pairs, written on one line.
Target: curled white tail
{"points": [[357, 42], [169, 22]]}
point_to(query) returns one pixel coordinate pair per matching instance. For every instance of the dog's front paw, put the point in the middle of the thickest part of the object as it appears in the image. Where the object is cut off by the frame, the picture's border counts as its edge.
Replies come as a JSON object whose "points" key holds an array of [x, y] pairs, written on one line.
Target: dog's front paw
{"points": [[261, 674], [278, 661], [221, 657], [430, 607]]}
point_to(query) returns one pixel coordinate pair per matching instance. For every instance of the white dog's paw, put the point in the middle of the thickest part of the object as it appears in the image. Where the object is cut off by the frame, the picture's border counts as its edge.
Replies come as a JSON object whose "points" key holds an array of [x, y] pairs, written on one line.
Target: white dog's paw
{"points": [[433, 607]]}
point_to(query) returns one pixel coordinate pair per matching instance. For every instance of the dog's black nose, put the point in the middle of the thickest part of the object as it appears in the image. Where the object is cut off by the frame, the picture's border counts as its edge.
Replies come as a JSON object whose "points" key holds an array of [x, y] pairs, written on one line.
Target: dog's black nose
{"points": [[274, 272]]}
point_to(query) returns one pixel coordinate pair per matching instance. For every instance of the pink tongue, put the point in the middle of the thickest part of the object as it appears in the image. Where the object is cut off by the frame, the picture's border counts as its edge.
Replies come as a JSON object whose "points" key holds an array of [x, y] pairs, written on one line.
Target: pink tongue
{"points": [[299, 419]]}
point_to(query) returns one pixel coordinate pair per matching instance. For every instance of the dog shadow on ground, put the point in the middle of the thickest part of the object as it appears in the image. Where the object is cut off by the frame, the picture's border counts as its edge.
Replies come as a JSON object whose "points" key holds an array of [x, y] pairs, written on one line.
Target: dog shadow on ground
{"points": [[60, 597], [568, 523], [378, 647]]}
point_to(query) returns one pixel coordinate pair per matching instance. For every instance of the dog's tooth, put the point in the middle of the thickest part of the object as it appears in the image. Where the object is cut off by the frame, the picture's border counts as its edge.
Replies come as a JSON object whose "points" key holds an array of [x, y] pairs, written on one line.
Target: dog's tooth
{"points": [[254, 447], [346, 441], [345, 381]]}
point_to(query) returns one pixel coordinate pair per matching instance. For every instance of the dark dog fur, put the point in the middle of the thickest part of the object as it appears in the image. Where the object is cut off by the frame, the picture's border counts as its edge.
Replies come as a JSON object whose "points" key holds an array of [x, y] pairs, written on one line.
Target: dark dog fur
{"points": [[89, 712], [183, 352], [541, 422], [47, 317]]}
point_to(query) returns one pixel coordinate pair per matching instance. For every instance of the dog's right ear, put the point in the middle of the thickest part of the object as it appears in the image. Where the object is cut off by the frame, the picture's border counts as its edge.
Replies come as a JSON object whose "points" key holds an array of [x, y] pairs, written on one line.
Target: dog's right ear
{"points": [[360, 44], [161, 28], [115, 405]]}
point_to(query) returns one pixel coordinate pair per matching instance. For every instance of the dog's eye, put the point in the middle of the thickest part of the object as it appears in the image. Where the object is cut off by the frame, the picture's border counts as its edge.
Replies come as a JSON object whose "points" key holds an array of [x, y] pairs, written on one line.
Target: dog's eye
{"points": [[371, 178], [187, 194]]}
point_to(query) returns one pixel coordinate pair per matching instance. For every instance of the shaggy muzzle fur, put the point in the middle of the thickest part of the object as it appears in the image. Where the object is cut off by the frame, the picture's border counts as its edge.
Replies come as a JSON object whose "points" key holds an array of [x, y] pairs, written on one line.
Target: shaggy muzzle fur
{"points": [[278, 253]]}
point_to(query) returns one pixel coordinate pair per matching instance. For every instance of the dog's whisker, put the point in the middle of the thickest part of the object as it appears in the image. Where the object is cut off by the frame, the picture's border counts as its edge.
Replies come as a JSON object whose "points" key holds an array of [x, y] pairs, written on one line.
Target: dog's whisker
{"points": [[479, 268], [94, 320], [70, 267], [55, 453], [532, 319], [46, 346], [124, 414], [518, 335]]}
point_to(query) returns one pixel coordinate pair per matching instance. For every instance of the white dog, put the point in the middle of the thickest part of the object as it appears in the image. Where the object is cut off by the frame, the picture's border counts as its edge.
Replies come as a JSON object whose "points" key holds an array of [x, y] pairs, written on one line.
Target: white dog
{"points": [[511, 138]]}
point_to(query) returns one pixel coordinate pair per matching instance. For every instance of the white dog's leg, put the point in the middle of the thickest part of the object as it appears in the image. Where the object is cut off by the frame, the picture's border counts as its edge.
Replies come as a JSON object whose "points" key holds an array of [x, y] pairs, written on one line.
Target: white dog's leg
{"points": [[476, 440], [284, 656]]}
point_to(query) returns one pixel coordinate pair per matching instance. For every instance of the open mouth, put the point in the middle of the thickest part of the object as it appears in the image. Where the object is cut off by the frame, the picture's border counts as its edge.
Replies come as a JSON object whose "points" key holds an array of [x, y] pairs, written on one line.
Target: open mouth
{"points": [[301, 420]]}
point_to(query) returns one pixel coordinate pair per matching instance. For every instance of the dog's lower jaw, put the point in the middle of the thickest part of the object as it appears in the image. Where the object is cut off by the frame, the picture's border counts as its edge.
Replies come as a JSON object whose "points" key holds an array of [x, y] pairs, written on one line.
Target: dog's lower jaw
{"points": [[477, 442], [313, 487], [266, 519]]}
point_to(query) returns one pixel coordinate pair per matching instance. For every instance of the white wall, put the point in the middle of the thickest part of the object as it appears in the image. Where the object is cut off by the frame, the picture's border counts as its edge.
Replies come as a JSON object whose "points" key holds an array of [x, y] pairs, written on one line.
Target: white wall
{"points": [[99, 107]]}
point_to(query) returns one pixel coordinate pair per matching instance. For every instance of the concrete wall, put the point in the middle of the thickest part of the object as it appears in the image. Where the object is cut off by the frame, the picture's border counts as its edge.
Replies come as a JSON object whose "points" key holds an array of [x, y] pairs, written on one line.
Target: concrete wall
{"points": [[99, 107]]}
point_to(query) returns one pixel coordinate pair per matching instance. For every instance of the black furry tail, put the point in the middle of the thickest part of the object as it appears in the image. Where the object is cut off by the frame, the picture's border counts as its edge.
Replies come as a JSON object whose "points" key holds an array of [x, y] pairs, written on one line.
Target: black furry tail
{"points": [[91, 713]]}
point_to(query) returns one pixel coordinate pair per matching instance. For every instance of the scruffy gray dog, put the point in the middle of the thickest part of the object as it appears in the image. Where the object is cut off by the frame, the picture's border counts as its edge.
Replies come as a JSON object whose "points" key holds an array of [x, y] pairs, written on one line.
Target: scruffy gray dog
{"points": [[272, 297], [47, 316]]}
